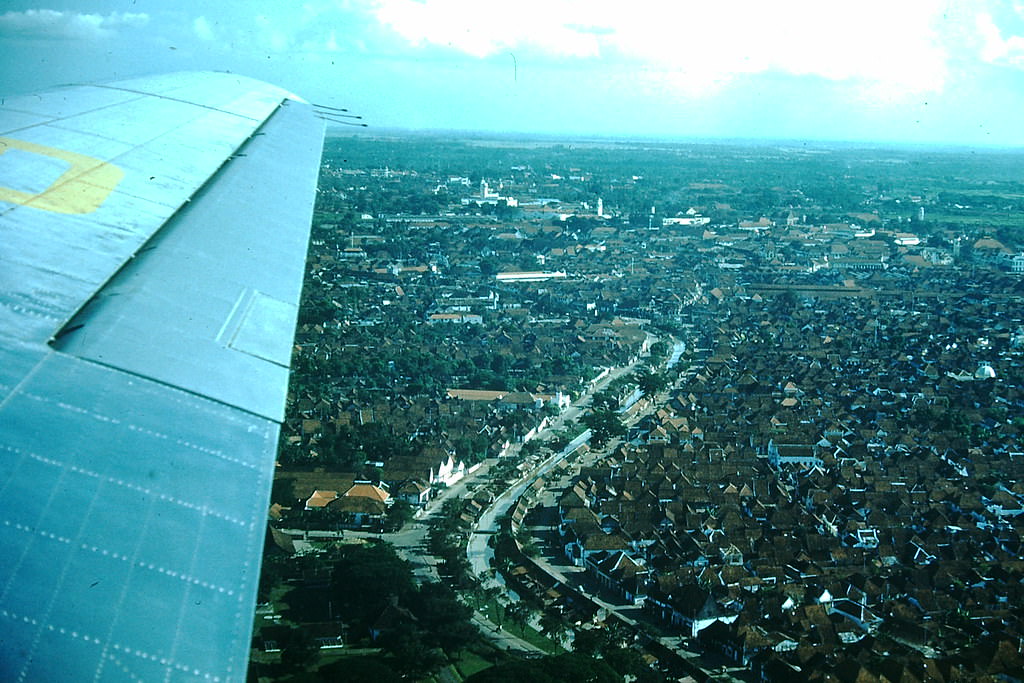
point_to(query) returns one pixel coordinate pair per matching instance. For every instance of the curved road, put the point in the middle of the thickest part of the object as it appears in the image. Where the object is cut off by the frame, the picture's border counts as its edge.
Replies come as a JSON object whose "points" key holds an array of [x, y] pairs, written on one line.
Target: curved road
{"points": [[478, 551], [410, 542]]}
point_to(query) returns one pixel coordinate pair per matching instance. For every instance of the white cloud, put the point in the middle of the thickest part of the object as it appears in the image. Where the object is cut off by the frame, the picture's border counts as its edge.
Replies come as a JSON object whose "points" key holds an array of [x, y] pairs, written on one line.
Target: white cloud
{"points": [[328, 43], [481, 29], [46, 23], [271, 34], [201, 27], [697, 45], [995, 49], [325, 27]]}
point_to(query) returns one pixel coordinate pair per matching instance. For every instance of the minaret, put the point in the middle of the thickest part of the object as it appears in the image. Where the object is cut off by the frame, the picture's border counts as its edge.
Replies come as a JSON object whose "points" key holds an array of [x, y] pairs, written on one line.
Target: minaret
{"points": [[600, 207]]}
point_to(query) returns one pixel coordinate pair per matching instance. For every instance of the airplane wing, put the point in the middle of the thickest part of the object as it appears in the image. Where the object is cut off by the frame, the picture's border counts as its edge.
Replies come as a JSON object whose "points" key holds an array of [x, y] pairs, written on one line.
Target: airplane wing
{"points": [[153, 237]]}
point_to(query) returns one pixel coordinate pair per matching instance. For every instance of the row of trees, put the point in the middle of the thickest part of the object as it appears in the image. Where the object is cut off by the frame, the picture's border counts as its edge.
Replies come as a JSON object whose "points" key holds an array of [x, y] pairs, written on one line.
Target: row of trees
{"points": [[604, 420]]}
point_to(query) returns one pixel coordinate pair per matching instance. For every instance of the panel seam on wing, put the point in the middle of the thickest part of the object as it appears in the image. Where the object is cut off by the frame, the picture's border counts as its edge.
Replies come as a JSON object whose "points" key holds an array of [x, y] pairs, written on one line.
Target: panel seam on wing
{"points": [[281, 95], [146, 244]]}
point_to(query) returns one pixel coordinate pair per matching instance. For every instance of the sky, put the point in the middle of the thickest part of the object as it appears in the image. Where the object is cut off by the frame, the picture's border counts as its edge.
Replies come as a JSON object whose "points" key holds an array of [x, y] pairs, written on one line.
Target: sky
{"points": [[890, 71]]}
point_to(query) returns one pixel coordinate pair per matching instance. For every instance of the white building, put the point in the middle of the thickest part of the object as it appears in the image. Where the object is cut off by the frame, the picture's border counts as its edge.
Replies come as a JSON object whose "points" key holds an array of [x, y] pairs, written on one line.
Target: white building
{"points": [[530, 276]]}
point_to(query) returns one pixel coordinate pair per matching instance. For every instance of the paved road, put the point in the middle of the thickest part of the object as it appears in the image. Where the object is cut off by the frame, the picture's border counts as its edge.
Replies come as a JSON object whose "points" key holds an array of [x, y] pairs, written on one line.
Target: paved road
{"points": [[502, 638], [478, 551], [571, 575], [410, 542]]}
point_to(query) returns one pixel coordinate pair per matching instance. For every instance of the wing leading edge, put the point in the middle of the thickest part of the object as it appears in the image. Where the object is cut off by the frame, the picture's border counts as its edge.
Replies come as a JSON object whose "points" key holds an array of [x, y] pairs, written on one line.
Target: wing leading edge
{"points": [[153, 240]]}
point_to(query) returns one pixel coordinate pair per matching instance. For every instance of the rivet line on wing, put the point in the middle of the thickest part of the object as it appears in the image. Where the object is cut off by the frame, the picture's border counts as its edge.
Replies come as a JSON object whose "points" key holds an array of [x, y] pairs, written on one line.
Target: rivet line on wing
{"points": [[180, 576], [118, 647], [132, 486], [220, 455]]}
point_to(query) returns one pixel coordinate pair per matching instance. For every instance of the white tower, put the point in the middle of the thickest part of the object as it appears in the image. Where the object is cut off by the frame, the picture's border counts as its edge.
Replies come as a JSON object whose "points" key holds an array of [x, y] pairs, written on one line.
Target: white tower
{"points": [[600, 207]]}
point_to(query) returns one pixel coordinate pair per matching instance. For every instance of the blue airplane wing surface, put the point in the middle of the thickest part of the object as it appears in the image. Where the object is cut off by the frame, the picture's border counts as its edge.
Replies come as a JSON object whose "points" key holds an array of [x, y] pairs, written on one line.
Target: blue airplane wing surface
{"points": [[153, 237]]}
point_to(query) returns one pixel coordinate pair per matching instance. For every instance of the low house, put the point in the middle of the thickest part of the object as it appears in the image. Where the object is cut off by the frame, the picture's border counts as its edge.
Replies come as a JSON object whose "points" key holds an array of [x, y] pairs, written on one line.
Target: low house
{"points": [[738, 644], [618, 572], [363, 505], [365, 489], [431, 468], [357, 512], [413, 492], [804, 455], [689, 607], [391, 617], [320, 499]]}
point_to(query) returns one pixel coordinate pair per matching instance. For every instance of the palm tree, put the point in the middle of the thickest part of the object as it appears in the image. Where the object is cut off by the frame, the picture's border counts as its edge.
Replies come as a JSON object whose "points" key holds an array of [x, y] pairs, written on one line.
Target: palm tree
{"points": [[519, 613], [554, 626]]}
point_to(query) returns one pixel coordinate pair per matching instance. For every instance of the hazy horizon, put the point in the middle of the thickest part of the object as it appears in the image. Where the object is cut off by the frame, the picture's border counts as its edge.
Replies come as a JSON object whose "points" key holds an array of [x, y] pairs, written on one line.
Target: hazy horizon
{"points": [[917, 72], [654, 139]]}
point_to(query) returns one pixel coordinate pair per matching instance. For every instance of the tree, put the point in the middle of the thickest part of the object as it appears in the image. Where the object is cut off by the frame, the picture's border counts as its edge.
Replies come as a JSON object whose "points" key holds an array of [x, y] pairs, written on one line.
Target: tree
{"points": [[565, 668], [359, 669], [379, 442], [650, 382], [659, 349], [399, 514], [366, 575], [553, 625], [530, 448], [443, 619], [488, 266], [345, 448], [530, 549], [413, 656], [518, 613], [604, 425], [298, 649], [604, 400], [627, 661], [573, 668], [591, 642], [281, 493], [271, 574]]}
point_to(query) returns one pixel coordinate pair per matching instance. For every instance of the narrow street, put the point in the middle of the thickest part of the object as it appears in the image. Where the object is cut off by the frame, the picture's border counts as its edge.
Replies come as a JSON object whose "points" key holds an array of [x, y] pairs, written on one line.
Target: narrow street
{"points": [[411, 545], [478, 551], [411, 541]]}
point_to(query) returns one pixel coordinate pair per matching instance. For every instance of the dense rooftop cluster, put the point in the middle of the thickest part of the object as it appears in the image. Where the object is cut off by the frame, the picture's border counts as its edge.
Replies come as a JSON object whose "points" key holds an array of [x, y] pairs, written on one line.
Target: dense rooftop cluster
{"points": [[833, 487], [838, 478]]}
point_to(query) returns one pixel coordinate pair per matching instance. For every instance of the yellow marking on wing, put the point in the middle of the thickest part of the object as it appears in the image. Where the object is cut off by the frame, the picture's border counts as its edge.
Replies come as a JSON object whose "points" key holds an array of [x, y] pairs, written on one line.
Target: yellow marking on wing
{"points": [[80, 189]]}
